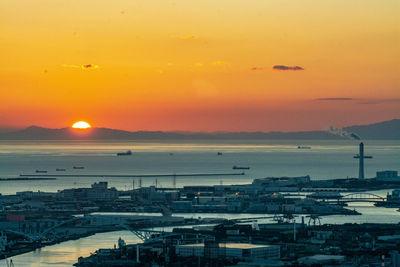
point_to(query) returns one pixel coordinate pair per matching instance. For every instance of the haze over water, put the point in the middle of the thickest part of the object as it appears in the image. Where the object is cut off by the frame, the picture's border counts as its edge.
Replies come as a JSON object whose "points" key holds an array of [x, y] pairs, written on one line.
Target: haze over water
{"points": [[326, 160]]}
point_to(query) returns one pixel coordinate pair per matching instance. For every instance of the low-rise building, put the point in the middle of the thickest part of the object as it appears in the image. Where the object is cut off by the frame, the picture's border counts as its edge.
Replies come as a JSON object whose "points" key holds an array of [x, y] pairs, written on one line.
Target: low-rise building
{"points": [[231, 250], [3, 241], [97, 192], [281, 181], [388, 176]]}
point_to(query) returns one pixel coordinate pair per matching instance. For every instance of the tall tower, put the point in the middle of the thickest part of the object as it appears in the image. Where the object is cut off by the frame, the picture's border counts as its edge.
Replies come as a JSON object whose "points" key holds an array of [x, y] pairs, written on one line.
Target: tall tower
{"points": [[361, 162], [361, 158]]}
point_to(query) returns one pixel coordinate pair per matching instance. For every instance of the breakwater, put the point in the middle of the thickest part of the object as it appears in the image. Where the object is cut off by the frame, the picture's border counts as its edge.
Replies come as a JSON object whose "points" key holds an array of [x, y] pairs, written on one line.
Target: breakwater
{"points": [[132, 176]]}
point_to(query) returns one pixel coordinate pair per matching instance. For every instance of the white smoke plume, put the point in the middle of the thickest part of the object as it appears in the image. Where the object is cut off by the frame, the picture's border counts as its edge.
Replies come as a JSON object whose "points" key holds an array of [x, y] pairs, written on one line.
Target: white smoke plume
{"points": [[343, 133]]}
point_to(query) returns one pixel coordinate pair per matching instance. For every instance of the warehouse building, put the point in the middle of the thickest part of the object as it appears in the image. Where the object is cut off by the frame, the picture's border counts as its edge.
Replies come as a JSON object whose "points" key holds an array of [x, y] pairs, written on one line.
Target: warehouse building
{"points": [[231, 250]]}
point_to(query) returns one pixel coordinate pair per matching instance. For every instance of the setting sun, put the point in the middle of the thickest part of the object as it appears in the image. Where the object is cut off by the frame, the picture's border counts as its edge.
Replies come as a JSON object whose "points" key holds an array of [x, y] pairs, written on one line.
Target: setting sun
{"points": [[81, 125]]}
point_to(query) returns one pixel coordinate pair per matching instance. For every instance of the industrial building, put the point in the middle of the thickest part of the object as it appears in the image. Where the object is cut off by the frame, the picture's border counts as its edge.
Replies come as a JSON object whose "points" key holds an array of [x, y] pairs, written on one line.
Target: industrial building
{"points": [[231, 250], [387, 176]]}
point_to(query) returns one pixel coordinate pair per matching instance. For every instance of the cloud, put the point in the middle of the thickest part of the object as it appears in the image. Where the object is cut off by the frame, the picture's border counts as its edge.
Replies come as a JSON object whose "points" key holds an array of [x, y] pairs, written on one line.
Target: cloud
{"points": [[362, 101], [84, 66], [89, 66], [336, 99], [257, 68], [190, 37], [283, 67], [221, 63], [185, 37], [379, 101]]}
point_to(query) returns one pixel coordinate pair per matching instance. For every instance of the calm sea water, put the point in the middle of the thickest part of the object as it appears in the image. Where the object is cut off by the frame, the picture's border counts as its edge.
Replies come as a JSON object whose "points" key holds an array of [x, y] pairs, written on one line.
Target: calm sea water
{"points": [[326, 159]]}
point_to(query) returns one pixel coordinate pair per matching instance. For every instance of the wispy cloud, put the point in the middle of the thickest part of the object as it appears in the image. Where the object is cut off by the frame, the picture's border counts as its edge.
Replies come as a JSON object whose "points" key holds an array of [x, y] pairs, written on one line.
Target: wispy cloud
{"points": [[379, 101], [84, 66], [185, 37], [189, 37], [284, 67], [221, 63], [362, 101], [336, 99], [257, 68]]}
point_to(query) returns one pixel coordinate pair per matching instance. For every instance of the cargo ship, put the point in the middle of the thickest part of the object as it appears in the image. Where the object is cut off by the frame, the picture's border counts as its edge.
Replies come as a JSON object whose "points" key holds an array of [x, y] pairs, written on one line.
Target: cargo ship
{"points": [[303, 147], [60, 170], [240, 168], [127, 153], [40, 171], [78, 167]]}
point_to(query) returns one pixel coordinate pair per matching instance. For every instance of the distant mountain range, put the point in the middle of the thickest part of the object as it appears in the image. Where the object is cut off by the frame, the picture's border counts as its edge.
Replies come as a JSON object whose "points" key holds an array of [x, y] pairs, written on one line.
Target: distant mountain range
{"points": [[387, 130]]}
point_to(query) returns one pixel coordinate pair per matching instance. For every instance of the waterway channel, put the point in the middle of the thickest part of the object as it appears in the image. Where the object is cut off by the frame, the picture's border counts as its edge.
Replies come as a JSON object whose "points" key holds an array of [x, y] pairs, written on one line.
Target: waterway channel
{"points": [[67, 253]]}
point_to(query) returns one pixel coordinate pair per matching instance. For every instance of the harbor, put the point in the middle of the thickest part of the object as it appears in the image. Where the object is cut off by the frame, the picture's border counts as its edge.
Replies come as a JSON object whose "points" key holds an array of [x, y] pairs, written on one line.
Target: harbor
{"points": [[79, 212], [148, 210]]}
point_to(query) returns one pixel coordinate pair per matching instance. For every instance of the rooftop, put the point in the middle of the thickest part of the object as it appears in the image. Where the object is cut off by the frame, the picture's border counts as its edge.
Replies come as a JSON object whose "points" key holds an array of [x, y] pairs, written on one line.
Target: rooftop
{"points": [[230, 245]]}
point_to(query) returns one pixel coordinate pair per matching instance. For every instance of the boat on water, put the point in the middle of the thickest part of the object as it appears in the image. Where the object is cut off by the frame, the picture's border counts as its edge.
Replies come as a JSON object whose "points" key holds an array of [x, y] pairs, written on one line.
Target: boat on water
{"points": [[303, 147], [127, 153], [78, 167], [40, 171], [60, 170], [240, 168], [219, 153]]}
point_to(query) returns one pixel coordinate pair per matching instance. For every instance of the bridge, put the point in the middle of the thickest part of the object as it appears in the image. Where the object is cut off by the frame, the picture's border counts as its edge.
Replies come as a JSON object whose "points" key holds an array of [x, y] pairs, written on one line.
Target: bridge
{"points": [[142, 234], [146, 234], [357, 197], [41, 235]]}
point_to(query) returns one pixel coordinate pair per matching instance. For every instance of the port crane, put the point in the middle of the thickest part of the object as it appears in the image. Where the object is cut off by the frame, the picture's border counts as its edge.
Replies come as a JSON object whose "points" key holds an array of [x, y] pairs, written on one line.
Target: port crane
{"points": [[315, 219], [9, 263]]}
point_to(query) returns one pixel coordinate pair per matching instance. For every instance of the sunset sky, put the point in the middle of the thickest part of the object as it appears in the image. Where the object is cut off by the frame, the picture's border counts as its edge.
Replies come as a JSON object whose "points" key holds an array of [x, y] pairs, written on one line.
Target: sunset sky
{"points": [[199, 65]]}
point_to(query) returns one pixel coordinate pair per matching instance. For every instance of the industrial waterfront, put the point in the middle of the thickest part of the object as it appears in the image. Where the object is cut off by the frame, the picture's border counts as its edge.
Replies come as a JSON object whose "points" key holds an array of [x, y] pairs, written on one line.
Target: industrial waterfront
{"points": [[163, 200]]}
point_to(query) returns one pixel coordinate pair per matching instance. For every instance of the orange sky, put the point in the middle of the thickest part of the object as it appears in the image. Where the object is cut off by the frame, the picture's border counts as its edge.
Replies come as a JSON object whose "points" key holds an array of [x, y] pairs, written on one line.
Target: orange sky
{"points": [[199, 65]]}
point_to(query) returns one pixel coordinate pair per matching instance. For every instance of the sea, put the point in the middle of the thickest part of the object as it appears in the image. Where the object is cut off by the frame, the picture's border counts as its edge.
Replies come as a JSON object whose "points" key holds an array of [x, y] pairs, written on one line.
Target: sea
{"points": [[266, 158]]}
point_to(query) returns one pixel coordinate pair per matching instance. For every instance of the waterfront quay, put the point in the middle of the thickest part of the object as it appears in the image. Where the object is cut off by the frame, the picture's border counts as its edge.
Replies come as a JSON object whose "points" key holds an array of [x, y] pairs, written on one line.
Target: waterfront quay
{"points": [[23, 234], [30, 220], [277, 244]]}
